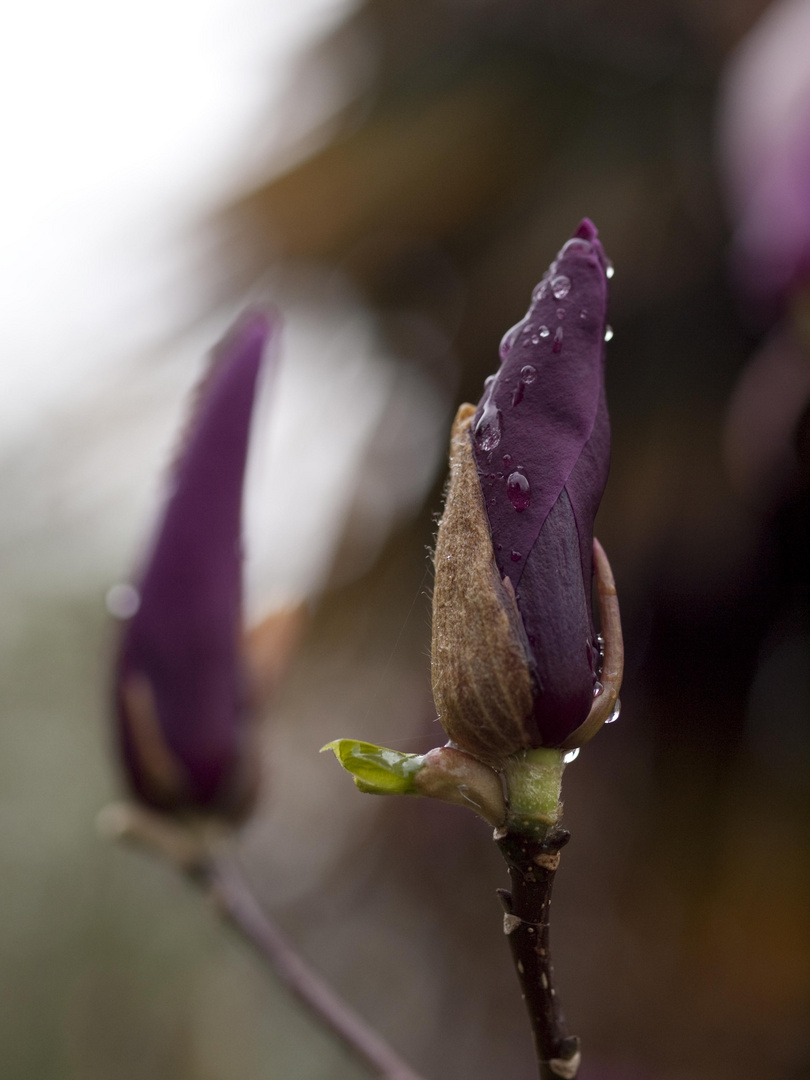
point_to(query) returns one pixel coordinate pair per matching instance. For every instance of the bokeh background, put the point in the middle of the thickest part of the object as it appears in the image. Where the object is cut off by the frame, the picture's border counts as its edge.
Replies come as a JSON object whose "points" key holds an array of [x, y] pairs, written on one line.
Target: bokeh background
{"points": [[395, 176]]}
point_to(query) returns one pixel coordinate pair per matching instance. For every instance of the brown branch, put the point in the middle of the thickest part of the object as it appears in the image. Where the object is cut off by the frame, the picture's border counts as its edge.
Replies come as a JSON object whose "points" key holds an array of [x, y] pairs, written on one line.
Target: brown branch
{"points": [[532, 865], [237, 904], [192, 854]]}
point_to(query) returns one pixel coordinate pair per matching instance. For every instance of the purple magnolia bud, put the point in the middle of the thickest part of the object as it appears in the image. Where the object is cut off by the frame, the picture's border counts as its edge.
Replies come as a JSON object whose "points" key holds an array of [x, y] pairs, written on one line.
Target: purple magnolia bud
{"points": [[181, 689], [516, 661], [764, 142]]}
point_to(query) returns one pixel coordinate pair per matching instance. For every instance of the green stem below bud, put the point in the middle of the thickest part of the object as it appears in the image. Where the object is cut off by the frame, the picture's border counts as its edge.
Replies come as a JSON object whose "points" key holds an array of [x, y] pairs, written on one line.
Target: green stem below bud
{"points": [[533, 782]]}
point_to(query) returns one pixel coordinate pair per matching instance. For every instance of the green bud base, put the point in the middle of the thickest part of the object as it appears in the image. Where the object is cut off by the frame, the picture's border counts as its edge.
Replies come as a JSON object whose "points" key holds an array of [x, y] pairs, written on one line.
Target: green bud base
{"points": [[533, 783]]}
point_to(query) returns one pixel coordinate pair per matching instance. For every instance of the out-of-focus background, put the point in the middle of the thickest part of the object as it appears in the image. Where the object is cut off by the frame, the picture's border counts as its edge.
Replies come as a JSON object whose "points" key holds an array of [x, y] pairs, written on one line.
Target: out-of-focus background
{"points": [[395, 176]]}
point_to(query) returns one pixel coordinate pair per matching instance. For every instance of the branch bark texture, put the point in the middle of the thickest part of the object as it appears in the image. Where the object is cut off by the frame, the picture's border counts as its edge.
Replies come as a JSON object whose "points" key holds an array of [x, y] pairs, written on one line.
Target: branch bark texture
{"points": [[532, 866]]}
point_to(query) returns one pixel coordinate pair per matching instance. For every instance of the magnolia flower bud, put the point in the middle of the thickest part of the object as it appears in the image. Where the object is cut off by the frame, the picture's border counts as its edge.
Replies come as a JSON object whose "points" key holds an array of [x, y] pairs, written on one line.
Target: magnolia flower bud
{"points": [[764, 151], [516, 662], [181, 687]]}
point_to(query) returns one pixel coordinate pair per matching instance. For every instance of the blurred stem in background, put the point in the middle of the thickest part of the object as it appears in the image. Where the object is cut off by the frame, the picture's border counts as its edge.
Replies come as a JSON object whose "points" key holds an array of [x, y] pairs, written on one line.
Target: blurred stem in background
{"points": [[193, 854]]}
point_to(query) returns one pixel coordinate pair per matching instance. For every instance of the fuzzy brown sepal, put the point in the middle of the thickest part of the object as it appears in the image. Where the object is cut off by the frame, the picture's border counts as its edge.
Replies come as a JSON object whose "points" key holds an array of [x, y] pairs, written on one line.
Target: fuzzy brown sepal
{"points": [[479, 659]]}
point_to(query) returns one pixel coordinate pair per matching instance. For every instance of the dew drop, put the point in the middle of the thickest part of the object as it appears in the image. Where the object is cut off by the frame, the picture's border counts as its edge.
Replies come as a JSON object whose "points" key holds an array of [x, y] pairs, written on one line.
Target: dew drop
{"points": [[600, 646], [541, 291], [608, 333], [583, 314], [516, 556], [543, 331], [561, 286], [614, 716], [122, 601], [488, 428], [507, 460], [519, 491], [577, 246], [597, 688], [528, 373], [609, 271], [535, 339], [572, 755], [558, 340], [510, 337]]}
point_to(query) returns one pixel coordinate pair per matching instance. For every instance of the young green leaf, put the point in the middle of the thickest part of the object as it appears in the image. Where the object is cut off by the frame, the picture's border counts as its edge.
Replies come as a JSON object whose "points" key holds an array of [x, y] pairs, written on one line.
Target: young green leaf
{"points": [[377, 771]]}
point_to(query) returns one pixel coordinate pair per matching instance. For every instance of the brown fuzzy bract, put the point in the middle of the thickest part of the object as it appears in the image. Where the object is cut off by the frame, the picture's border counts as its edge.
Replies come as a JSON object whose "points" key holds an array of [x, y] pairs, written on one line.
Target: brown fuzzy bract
{"points": [[480, 672]]}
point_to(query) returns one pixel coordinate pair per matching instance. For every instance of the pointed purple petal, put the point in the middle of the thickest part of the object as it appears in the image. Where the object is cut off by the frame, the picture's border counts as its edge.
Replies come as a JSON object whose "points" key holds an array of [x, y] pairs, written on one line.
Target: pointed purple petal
{"points": [[183, 642], [541, 442]]}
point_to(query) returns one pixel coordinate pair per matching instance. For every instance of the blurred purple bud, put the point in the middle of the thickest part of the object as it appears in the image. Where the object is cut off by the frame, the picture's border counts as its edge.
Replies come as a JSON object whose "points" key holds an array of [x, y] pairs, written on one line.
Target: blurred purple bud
{"points": [[181, 686], [516, 661], [764, 142]]}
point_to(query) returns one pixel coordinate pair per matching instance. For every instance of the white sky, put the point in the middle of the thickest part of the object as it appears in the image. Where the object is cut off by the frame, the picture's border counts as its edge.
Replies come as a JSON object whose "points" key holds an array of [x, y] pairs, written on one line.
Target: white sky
{"points": [[119, 122], [122, 124]]}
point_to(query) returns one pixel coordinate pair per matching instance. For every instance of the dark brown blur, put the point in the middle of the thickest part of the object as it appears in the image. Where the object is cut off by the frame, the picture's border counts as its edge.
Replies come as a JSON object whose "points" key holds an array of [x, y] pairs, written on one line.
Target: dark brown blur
{"points": [[682, 915], [480, 133]]}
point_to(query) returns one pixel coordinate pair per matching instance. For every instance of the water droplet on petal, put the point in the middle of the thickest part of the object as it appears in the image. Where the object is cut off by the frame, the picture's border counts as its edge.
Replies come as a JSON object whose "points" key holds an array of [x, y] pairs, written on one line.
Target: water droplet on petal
{"points": [[488, 429], [510, 337], [576, 246], [561, 286], [614, 716], [560, 312], [535, 339], [572, 755], [122, 601], [519, 491], [528, 373], [583, 314], [488, 381], [516, 556], [609, 271], [507, 460], [597, 688], [541, 291], [543, 331], [608, 333], [558, 340]]}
